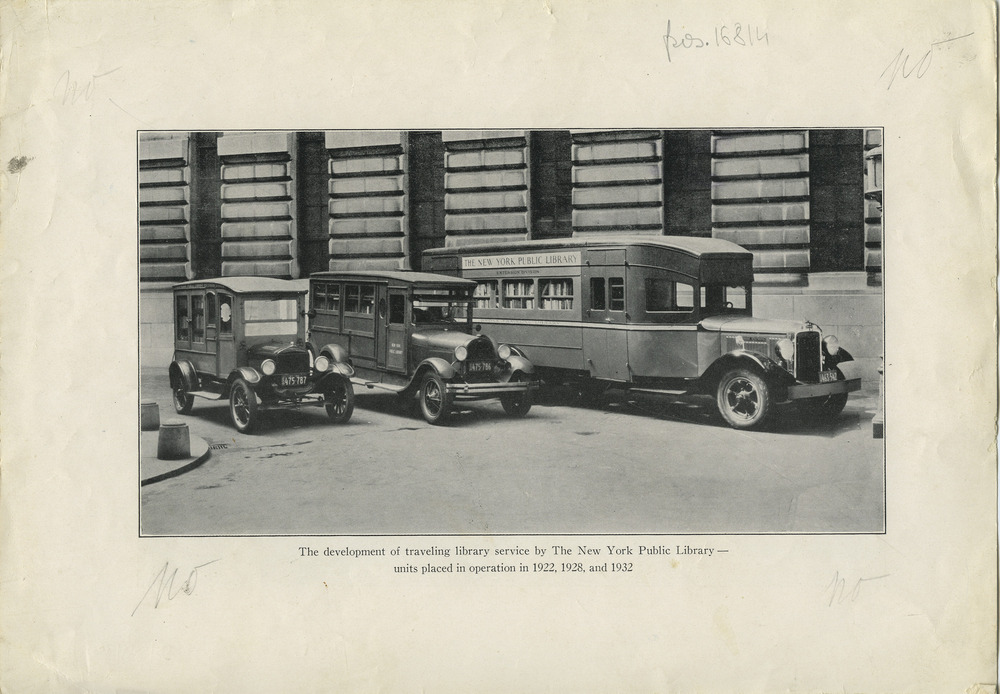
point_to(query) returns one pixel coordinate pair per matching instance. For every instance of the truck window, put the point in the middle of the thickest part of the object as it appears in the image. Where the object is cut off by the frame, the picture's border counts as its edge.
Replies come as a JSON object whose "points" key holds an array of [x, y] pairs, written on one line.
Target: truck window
{"points": [[270, 317], [225, 314], [397, 308], [198, 317], [666, 296], [487, 294], [181, 315], [519, 294], [367, 298], [352, 301], [598, 302], [616, 288], [556, 294]]}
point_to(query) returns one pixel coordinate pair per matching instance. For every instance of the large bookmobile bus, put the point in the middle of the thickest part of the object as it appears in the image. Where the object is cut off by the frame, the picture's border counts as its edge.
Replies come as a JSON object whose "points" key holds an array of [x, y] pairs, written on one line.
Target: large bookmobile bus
{"points": [[656, 314]]}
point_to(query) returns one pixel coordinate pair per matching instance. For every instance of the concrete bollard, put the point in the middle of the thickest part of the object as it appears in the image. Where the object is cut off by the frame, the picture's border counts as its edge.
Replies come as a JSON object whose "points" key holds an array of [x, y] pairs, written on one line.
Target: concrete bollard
{"points": [[174, 441], [878, 421], [149, 416]]}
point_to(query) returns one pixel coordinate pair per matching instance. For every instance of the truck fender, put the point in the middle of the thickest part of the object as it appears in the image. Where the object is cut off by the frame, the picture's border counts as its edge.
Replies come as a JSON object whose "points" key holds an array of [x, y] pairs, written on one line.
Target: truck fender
{"points": [[520, 363], [444, 369], [342, 368], [850, 369], [336, 353], [248, 374], [742, 358], [182, 373]]}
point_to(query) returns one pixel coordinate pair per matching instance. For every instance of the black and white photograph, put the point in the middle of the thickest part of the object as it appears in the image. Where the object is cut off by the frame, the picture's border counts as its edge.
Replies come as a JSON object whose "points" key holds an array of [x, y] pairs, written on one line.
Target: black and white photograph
{"points": [[476, 332]]}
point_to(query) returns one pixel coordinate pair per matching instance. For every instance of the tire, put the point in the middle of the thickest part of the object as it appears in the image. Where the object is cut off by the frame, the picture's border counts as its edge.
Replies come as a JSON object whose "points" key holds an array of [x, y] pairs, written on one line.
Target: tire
{"points": [[743, 399], [593, 393], [182, 400], [243, 407], [516, 404], [435, 400], [826, 407], [340, 401]]}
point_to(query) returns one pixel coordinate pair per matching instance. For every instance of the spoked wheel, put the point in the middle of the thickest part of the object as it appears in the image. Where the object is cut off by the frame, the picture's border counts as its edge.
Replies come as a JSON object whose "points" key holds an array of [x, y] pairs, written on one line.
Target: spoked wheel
{"points": [[182, 400], [340, 401], [243, 407], [435, 400], [516, 404], [744, 399]]}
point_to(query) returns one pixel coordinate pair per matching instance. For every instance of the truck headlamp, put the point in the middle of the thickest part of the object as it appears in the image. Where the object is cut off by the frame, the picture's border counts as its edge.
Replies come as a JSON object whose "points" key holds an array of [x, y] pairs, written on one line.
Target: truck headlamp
{"points": [[321, 364], [786, 349], [503, 351], [268, 367], [461, 353], [832, 345]]}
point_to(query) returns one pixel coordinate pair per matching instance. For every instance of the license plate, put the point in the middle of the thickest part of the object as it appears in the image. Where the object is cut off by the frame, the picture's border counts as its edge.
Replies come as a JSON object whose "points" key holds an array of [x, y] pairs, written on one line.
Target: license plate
{"points": [[293, 380], [827, 376], [479, 366]]}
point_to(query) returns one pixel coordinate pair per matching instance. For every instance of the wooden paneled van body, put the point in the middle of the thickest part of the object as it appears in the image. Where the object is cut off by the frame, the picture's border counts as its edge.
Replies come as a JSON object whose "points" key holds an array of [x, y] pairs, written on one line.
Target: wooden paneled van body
{"points": [[670, 315], [243, 339], [411, 333]]}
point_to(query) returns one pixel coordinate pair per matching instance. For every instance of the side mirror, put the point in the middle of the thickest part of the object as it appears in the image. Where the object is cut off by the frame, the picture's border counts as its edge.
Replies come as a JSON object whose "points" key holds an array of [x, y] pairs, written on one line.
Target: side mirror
{"points": [[479, 328], [311, 313]]}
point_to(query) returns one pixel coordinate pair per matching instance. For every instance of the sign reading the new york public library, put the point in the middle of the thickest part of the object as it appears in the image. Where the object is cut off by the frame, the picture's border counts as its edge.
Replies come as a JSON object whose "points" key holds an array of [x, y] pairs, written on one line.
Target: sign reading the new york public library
{"points": [[520, 260]]}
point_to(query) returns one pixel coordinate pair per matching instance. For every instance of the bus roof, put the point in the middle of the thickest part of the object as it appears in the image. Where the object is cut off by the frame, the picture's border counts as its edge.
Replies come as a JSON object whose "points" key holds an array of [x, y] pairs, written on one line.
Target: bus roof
{"points": [[248, 285], [693, 245], [405, 276]]}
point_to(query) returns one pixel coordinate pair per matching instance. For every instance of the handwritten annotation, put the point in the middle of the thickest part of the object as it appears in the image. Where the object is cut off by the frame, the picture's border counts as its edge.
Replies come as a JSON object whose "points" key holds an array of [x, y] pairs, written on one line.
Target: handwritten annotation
{"points": [[736, 35], [163, 584], [905, 66]]}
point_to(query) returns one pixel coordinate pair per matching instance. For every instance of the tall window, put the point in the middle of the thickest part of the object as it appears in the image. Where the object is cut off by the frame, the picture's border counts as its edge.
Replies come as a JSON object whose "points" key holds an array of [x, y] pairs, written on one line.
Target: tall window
{"points": [[616, 288], [198, 317], [598, 299], [181, 314]]}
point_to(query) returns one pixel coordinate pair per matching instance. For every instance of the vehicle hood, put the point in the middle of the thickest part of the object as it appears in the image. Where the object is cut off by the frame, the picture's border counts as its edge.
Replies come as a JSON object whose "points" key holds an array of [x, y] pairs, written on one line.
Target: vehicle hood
{"points": [[749, 324], [271, 350], [441, 339]]}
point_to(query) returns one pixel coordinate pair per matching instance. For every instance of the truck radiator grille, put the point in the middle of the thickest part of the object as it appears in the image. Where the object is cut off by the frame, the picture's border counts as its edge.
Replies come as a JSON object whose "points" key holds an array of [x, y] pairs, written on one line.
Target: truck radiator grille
{"points": [[807, 356]]}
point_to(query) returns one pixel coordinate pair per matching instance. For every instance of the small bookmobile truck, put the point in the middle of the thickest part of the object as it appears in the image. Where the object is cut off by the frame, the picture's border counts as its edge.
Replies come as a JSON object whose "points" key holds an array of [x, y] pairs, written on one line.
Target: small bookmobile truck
{"points": [[242, 339], [411, 333]]}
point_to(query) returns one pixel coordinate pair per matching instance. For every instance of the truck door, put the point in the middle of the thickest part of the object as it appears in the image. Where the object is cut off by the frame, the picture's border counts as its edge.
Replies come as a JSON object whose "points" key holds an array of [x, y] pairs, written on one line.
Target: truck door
{"points": [[381, 324], [605, 339], [396, 331]]}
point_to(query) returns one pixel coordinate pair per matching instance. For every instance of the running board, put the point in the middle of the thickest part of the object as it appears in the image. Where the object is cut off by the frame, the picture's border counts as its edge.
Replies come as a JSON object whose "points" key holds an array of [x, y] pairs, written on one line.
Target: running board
{"points": [[371, 385], [207, 394], [658, 391]]}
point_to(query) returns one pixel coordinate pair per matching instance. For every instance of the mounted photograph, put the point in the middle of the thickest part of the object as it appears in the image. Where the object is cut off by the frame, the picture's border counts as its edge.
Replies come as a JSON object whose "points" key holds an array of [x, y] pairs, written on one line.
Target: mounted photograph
{"points": [[511, 332]]}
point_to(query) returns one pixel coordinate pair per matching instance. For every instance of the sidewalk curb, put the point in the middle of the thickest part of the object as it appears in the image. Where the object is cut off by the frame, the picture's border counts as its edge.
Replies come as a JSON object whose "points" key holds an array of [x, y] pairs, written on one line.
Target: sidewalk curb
{"points": [[147, 459]]}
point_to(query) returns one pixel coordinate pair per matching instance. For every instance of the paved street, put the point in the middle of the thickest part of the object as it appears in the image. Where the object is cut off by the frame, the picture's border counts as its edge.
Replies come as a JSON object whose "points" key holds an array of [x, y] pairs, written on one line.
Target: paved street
{"points": [[628, 467]]}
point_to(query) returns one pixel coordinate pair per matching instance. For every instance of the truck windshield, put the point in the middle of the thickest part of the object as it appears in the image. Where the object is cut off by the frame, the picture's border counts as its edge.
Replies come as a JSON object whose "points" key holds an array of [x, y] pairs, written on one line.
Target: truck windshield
{"points": [[270, 317], [719, 299], [430, 309]]}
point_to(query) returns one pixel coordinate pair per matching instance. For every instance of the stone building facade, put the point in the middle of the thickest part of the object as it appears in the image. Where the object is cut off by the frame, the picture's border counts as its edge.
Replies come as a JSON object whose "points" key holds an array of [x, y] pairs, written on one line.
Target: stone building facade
{"points": [[286, 204]]}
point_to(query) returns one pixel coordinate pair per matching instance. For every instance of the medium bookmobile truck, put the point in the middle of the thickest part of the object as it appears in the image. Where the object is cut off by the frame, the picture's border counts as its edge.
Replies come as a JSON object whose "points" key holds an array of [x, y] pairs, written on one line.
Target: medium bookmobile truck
{"points": [[656, 314]]}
